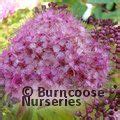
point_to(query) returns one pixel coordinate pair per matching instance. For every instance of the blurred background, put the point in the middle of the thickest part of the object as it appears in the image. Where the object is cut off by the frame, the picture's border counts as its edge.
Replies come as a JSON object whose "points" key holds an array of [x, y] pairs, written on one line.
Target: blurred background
{"points": [[14, 13]]}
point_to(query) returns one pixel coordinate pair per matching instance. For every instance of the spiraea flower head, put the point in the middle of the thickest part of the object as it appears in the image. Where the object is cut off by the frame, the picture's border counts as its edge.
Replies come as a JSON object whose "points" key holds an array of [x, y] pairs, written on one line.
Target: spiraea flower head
{"points": [[52, 49]]}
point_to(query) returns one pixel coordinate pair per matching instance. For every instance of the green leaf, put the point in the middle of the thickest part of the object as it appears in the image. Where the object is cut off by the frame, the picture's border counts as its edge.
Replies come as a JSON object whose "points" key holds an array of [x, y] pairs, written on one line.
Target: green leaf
{"points": [[35, 115], [55, 113], [109, 6], [102, 1], [112, 15], [52, 1], [70, 1], [97, 11], [78, 9], [27, 115], [99, 14]]}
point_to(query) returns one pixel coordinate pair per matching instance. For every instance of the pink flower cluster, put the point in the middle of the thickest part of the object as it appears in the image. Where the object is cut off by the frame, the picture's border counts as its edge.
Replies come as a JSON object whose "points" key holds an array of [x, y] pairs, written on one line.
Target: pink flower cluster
{"points": [[53, 49]]}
